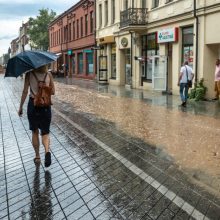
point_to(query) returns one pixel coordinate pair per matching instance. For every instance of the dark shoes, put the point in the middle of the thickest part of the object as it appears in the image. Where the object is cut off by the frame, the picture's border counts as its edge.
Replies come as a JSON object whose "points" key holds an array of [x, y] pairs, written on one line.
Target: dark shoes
{"points": [[47, 162], [183, 104], [215, 99]]}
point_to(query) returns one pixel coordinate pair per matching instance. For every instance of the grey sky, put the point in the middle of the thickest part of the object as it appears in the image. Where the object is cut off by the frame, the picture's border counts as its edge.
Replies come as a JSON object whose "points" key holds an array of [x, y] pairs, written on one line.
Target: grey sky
{"points": [[13, 12]]}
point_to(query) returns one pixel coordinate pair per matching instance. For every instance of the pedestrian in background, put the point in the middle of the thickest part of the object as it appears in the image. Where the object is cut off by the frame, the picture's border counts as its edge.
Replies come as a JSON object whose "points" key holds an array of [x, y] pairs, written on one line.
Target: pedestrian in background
{"points": [[217, 79], [39, 117], [186, 73]]}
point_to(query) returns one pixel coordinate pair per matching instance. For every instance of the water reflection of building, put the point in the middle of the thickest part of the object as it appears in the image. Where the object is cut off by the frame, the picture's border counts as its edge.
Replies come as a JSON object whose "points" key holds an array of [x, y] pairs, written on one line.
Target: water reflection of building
{"points": [[144, 42], [72, 37]]}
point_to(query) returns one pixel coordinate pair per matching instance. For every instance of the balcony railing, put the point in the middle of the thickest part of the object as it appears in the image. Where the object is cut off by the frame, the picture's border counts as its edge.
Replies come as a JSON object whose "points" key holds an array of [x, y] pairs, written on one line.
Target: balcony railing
{"points": [[133, 16]]}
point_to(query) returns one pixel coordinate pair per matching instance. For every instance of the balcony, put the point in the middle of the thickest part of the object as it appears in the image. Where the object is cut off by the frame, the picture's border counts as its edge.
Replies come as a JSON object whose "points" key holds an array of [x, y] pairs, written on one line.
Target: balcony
{"points": [[133, 18]]}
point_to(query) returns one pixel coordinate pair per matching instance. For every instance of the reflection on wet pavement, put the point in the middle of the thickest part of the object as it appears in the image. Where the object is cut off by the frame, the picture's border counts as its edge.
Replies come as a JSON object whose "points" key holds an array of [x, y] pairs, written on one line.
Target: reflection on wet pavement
{"points": [[116, 171], [176, 134]]}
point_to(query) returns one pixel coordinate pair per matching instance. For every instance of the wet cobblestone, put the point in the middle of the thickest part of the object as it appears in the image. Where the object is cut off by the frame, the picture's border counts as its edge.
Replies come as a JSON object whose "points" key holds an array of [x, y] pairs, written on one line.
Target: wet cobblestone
{"points": [[85, 181]]}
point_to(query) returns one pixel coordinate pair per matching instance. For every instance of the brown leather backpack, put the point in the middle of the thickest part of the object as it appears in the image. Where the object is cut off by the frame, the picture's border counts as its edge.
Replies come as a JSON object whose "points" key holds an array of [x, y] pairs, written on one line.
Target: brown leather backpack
{"points": [[43, 96]]}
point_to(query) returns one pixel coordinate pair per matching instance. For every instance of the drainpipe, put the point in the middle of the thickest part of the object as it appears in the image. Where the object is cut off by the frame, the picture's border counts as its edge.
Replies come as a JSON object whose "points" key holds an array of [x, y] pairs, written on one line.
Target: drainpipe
{"points": [[131, 56], [197, 41]]}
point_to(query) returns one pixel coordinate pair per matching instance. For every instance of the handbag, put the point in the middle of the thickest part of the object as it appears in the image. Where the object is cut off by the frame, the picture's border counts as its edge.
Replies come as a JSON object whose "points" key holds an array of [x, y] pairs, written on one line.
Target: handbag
{"points": [[189, 82]]}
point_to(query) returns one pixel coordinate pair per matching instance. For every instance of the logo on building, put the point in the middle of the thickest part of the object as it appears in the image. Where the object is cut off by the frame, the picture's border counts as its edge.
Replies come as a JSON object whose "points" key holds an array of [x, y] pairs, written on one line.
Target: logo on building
{"points": [[167, 35], [124, 42]]}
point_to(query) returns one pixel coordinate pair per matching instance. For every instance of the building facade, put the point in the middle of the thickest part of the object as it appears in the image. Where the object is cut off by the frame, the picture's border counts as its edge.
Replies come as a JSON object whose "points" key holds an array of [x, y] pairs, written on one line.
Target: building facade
{"points": [[144, 42], [72, 36]]}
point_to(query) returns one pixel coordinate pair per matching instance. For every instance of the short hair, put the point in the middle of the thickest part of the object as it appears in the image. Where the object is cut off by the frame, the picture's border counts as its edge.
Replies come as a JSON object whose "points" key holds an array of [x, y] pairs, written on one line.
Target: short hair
{"points": [[186, 62]]}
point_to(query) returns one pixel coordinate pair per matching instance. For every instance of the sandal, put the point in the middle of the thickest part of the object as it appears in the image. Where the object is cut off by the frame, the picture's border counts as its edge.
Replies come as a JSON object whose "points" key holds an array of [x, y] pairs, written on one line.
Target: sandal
{"points": [[37, 160], [47, 162]]}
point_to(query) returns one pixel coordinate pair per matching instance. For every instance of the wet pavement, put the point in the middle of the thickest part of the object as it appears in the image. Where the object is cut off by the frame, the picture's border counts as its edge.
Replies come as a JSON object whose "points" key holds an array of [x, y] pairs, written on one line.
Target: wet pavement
{"points": [[101, 168]]}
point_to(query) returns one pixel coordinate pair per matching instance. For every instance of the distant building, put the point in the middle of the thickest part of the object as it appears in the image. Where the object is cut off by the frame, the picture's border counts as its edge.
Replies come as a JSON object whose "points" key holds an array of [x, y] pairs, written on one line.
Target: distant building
{"points": [[23, 39], [72, 36], [14, 47]]}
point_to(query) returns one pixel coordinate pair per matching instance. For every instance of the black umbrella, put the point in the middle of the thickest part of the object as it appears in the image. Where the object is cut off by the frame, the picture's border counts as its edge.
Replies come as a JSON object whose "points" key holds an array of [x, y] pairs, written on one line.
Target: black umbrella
{"points": [[27, 61]]}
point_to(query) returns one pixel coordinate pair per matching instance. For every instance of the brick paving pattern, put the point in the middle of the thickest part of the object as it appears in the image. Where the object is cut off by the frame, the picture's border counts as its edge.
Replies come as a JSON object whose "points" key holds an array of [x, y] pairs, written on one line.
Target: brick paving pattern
{"points": [[86, 179]]}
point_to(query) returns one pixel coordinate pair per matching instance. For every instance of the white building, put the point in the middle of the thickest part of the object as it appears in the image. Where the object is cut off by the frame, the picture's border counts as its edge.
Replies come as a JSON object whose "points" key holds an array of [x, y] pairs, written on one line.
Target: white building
{"points": [[145, 41]]}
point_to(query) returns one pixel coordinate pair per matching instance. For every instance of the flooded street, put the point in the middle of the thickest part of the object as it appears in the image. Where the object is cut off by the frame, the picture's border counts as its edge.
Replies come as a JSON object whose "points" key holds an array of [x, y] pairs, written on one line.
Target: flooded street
{"points": [[191, 141]]}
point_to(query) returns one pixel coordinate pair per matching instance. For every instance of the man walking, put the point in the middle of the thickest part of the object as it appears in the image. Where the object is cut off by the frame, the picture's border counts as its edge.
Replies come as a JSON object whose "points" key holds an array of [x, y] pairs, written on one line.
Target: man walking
{"points": [[186, 73]]}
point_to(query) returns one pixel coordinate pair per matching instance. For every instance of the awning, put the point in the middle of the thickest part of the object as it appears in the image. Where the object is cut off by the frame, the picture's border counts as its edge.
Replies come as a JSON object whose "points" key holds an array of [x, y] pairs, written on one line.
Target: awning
{"points": [[107, 39]]}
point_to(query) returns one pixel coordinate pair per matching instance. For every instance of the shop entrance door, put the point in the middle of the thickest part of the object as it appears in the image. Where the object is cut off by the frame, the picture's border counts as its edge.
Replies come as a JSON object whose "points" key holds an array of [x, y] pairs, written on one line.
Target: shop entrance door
{"points": [[159, 73], [128, 67]]}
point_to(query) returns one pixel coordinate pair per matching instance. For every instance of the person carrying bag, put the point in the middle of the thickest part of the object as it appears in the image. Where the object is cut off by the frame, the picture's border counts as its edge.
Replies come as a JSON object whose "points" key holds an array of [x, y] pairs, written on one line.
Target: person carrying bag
{"points": [[185, 82], [41, 86]]}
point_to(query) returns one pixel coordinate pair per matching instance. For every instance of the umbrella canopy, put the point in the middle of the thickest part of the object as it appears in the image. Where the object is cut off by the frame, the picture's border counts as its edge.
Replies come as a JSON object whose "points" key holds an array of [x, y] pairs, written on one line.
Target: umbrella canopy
{"points": [[27, 61]]}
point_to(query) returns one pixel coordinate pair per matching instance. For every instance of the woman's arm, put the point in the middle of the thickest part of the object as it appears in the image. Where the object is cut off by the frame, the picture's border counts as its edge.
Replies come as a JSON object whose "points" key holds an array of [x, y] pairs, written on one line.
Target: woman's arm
{"points": [[52, 84], [24, 94]]}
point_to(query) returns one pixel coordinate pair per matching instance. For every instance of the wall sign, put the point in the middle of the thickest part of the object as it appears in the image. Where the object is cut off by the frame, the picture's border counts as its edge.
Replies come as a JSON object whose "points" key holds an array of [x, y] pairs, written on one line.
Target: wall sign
{"points": [[124, 42], [167, 35]]}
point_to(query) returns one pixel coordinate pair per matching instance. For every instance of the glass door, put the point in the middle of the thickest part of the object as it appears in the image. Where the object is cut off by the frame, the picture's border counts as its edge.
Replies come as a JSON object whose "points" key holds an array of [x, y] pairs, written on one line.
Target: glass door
{"points": [[127, 67], [159, 69]]}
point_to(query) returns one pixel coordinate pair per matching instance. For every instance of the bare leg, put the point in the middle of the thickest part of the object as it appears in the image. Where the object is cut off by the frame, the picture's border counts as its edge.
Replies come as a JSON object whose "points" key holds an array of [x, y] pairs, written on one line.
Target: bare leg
{"points": [[46, 142], [36, 143]]}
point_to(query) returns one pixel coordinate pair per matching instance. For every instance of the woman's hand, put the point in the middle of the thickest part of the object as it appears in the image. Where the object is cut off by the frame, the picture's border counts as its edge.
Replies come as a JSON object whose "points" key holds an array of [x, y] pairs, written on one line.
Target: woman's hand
{"points": [[20, 112]]}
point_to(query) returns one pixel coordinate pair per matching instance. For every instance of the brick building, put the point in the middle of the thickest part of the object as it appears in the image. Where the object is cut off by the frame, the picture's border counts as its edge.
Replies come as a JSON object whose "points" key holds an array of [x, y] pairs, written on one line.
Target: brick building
{"points": [[72, 36]]}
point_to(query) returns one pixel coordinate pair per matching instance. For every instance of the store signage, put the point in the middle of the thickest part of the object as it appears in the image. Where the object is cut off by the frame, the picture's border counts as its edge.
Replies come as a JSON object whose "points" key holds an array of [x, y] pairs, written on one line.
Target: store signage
{"points": [[87, 51], [69, 52], [124, 42], [167, 35]]}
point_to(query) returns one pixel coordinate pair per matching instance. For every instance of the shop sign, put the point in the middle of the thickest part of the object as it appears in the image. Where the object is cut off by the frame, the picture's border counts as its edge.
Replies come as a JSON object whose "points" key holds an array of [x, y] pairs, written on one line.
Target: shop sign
{"points": [[124, 42], [87, 51], [69, 52], [167, 35]]}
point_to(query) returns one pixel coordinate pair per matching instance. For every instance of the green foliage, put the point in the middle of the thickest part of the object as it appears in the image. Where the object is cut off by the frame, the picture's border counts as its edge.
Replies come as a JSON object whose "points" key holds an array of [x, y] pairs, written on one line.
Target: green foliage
{"points": [[38, 29], [199, 91]]}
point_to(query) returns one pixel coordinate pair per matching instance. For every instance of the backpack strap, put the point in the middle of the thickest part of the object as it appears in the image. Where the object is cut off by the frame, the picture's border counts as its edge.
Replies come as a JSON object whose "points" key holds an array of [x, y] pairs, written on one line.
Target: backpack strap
{"points": [[45, 77], [35, 76], [186, 73]]}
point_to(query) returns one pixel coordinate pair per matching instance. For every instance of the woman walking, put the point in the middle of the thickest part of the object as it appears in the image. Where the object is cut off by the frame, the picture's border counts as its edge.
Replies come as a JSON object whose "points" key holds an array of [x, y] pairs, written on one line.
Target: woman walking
{"points": [[217, 79], [39, 117]]}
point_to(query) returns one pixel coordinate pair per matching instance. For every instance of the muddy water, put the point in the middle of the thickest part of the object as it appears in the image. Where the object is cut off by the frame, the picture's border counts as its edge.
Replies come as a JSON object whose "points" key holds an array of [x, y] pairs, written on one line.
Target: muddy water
{"points": [[191, 140]]}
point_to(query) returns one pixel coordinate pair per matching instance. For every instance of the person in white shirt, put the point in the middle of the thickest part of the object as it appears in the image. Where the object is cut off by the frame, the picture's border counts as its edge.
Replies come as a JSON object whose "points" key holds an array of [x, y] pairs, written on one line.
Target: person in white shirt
{"points": [[217, 79], [186, 73]]}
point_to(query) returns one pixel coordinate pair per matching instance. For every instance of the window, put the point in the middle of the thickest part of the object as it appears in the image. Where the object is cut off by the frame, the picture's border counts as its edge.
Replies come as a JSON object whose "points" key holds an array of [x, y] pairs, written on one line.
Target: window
{"points": [[91, 21], [106, 13], [81, 26], [77, 28], [90, 66], [143, 3], [150, 47], [167, 1], [155, 3], [70, 31], [59, 36], [100, 15], [113, 11], [113, 61], [187, 47], [86, 24], [80, 63], [74, 34], [125, 4]]}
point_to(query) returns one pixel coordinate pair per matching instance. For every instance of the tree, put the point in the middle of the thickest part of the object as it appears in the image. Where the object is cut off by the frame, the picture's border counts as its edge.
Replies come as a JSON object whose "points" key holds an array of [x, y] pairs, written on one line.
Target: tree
{"points": [[38, 29]]}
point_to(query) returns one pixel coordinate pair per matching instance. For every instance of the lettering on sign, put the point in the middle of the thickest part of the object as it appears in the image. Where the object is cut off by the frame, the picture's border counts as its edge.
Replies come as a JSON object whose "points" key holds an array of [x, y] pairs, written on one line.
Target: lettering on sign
{"points": [[167, 35]]}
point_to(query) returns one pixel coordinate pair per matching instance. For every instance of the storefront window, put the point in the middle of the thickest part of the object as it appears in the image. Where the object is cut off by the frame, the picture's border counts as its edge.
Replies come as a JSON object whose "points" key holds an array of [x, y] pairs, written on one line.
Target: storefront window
{"points": [[89, 58], [187, 47], [150, 48], [80, 63], [113, 62]]}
